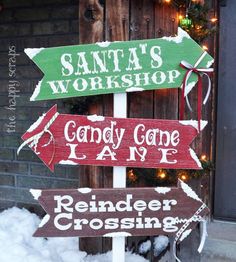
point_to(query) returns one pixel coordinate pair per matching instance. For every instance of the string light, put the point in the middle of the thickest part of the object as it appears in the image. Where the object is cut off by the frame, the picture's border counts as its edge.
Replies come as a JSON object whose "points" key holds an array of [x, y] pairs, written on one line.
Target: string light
{"points": [[183, 175], [151, 177], [161, 174], [204, 47], [213, 19], [167, 1], [132, 177], [197, 19]]}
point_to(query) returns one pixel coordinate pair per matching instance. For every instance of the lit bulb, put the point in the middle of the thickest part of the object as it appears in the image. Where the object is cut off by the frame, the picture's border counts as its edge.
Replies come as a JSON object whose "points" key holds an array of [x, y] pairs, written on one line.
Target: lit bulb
{"points": [[183, 175], [203, 157], [161, 174], [180, 17], [167, 1], [214, 19], [204, 47]]}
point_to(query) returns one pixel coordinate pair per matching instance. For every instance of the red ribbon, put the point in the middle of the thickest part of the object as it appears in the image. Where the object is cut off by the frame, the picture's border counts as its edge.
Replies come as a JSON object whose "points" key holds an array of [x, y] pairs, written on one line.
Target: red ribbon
{"points": [[199, 72]]}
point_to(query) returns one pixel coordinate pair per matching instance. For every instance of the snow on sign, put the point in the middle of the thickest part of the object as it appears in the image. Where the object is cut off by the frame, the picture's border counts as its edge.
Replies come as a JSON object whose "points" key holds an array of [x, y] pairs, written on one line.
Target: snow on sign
{"points": [[89, 212], [117, 67], [107, 141]]}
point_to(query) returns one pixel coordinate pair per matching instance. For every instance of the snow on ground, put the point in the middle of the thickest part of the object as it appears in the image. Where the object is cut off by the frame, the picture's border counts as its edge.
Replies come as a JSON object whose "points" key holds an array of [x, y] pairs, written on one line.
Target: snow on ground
{"points": [[160, 244], [17, 244]]}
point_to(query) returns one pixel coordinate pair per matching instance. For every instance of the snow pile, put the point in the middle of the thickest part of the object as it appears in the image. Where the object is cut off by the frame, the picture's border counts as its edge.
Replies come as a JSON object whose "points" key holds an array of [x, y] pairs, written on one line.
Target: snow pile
{"points": [[17, 244], [145, 247], [129, 257], [160, 244]]}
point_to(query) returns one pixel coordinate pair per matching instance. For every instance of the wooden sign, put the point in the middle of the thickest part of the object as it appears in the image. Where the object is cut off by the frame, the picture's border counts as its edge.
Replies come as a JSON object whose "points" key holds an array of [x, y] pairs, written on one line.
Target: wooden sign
{"points": [[107, 141], [117, 67], [89, 212]]}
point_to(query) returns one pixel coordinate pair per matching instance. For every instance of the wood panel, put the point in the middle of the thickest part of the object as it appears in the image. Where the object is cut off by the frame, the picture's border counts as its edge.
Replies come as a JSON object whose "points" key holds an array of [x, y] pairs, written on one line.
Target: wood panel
{"points": [[130, 210], [117, 29], [91, 18], [123, 20], [141, 104], [166, 101]]}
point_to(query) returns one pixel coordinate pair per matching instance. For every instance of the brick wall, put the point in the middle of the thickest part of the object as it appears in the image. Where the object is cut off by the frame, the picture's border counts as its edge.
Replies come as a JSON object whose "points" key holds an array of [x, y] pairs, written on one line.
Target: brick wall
{"points": [[29, 23]]}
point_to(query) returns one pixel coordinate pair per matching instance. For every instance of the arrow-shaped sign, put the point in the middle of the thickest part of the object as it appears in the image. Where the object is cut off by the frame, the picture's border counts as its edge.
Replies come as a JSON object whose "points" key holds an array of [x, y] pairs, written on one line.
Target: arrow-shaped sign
{"points": [[116, 67], [107, 141], [89, 212]]}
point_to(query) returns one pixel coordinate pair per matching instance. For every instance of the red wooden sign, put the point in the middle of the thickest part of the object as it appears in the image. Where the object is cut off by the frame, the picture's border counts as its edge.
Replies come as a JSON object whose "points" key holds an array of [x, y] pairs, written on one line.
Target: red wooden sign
{"points": [[107, 141], [119, 212]]}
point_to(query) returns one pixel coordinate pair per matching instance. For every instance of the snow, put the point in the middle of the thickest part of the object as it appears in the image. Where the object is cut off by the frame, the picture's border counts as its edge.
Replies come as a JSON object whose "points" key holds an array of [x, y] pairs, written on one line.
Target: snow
{"points": [[84, 190], [134, 89], [145, 247], [209, 63], [95, 118], [162, 190], [32, 52], [68, 162], [36, 91], [189, 192], [18, 245], [103, 44], [36, 193], [118, 234], [194, 123], [36, 124], [160, 244], [44, 220], [179, 38], [129, 257], [185, 234], [189, 87], [194, 157]]}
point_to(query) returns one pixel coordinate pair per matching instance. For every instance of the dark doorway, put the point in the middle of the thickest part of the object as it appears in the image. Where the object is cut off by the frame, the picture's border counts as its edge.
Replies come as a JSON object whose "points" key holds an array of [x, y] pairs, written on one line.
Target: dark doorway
{"points": [[225, 182]]}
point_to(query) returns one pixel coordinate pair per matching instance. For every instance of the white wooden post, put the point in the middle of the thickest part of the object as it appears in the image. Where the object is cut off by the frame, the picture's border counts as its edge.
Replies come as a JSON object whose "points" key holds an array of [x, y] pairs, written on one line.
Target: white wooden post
{"points": [[119, 176]]}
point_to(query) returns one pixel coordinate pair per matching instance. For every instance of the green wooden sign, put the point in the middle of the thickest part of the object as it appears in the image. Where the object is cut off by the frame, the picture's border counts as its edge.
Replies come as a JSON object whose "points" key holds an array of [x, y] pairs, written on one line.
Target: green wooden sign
{"points": [[116, 67]]}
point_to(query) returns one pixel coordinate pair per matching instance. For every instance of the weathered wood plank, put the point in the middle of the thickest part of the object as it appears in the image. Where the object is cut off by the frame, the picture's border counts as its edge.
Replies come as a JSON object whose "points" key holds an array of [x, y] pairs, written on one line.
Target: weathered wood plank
{"points": [[166, 103], [91, 16], [141, 104]]}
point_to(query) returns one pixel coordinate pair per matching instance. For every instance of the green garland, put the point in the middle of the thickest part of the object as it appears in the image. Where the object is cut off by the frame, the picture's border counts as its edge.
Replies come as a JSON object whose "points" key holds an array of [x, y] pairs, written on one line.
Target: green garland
{"points": [[201, 27], [155, 177]]}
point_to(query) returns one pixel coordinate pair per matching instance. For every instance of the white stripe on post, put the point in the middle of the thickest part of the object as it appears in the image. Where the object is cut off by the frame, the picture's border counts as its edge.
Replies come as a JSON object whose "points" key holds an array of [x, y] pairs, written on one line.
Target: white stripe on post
{"points": [[119, 176]]}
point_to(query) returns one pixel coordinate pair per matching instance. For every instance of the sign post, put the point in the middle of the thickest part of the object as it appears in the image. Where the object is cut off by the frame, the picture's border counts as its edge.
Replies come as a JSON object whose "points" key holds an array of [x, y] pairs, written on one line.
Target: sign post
{"points": [[118, 68], [119, 177]]}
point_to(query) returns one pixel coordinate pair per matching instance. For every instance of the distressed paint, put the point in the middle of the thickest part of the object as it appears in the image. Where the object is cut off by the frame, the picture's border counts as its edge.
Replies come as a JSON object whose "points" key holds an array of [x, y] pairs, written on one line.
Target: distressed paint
{"points": [[149, 143], [115, 67], [127, 212]]}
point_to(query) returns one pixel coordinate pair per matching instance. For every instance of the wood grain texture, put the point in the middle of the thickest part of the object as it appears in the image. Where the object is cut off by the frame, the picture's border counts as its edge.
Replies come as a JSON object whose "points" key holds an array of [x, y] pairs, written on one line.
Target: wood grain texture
{"points": [[117, 29], [141, 104], [133, 211], [107, 141], [90, 21], [91, 17], [166, 103]]}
